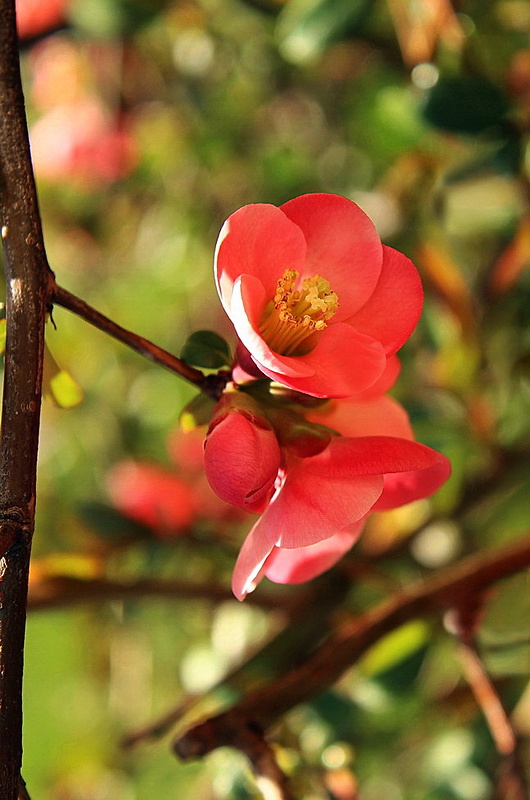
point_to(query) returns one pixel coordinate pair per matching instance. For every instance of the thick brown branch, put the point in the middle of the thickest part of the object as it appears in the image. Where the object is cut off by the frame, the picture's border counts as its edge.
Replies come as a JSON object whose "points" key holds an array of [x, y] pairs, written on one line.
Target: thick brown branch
{"points": [[56, 591], [212, 385], [449, 588], [28, 292]]}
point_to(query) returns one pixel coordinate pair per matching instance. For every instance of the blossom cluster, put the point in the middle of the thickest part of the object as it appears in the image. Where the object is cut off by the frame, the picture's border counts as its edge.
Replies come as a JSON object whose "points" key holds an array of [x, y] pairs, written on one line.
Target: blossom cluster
{"points": [[306, 434]]}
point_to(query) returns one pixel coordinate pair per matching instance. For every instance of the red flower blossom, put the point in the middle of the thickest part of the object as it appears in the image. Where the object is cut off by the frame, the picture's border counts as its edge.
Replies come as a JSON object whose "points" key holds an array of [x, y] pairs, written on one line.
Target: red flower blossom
{"points": [[149, 494], [321, 501], [35, 17], [79, 141], [315, 297]]}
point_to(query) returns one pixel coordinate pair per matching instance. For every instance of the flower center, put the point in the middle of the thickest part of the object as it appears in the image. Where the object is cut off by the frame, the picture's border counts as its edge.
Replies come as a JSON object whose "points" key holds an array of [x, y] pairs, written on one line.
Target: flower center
{"points": [[298, 311]]}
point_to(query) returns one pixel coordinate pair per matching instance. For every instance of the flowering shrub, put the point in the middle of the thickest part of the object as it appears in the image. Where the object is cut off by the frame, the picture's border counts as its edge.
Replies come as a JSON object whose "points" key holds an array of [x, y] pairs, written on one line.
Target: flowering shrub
{"points": [[79, 136]]}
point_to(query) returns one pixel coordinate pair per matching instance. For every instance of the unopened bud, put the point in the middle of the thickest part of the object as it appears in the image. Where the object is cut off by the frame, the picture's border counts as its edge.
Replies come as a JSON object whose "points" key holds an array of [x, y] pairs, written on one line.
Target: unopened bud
{"points": [[241, 454]]}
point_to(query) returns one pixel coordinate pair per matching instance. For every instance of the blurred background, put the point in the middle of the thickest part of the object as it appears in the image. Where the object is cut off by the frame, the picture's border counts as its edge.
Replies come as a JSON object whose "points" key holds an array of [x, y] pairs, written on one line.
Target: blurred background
{"points": [[150, 122]]}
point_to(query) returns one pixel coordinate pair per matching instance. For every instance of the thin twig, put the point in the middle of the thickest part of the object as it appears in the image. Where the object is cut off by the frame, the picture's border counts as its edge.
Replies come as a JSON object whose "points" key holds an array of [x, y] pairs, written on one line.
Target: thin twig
{"points": [[463, 623], [211, 385], [451, 586], [488, 699], [511, 779], [29, 283]]}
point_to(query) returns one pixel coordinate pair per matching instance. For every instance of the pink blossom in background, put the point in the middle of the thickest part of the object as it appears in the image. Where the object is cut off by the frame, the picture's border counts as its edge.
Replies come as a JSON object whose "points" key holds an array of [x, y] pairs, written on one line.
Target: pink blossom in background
{"points": [[322, 501], [318, 302], [153, 496], [35, 17], [80, 141]]}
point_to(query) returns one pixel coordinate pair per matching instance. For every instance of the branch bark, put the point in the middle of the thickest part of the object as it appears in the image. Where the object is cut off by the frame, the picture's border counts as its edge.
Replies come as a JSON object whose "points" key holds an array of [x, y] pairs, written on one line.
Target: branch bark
{"points": [[29, 283]]}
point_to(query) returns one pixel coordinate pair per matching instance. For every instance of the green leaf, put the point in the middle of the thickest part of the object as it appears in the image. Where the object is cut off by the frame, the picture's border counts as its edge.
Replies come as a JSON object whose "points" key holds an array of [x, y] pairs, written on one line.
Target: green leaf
{"points": [[64, 391], [306, 27], [206, 349], [197, 412], [58, 385], [109, 524], [395, 648], [3, 334], [466, 104]]}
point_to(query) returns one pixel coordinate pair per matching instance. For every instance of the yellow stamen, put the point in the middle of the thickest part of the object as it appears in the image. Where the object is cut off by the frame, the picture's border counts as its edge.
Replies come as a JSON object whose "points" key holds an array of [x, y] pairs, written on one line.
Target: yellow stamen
{"points": [[298, 311]]}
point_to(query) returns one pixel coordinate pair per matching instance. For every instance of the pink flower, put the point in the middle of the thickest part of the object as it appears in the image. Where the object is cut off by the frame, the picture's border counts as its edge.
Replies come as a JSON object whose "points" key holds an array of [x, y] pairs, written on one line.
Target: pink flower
{"points": [[149, 494], [79, 141], [35, 17], [241, 453], [315, 297], [321, 501]]}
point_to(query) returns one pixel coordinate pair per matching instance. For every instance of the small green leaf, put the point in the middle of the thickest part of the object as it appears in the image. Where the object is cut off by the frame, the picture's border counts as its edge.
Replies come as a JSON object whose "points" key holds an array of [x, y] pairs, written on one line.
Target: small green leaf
{"points": [[3, 334], [197, 412], [206, 349], [395, 647], [64, 391], [58, 385]]}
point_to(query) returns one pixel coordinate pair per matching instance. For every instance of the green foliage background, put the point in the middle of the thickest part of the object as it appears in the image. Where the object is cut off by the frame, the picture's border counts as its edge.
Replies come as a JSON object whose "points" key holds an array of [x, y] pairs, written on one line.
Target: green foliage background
{"points": [[227, 103]]}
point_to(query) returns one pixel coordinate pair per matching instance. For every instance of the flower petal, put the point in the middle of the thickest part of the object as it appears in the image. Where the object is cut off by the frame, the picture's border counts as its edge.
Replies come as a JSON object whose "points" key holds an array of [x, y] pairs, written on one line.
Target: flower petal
{"points": [[342, 364], [382, 416], [371, 455], [385, 382], [312, 506], [404, 487], [248, 302], [257, 240], [342, 245], [394, 308], [305, 563], [248, 569]]}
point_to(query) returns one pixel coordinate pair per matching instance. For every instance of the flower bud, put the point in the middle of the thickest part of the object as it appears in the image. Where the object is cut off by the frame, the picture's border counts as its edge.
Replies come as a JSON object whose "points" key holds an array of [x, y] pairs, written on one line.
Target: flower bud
{"points": [[241, 455]]}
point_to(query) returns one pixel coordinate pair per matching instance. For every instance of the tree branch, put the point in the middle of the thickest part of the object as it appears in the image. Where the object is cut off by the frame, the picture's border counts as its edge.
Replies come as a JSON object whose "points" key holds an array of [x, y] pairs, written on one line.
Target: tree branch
{"points": [[463, 623], [57, 591], [29, 283], [450, 588], [211, 385]]}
